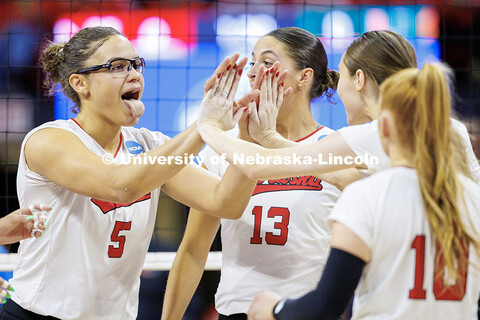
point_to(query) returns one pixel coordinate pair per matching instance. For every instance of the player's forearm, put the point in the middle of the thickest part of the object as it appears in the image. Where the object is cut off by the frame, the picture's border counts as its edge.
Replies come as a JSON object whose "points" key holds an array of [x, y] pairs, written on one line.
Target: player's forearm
{"points": [[335, 289], [183, 280], [6, 229], [340, 179], [276, 141], [132, 181], [234, 150], [232, 194]]}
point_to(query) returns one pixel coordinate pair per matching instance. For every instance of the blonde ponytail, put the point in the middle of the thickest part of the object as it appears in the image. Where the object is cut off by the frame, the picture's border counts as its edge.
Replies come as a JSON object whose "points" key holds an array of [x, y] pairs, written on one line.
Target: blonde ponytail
{"points": [[421, 104]]}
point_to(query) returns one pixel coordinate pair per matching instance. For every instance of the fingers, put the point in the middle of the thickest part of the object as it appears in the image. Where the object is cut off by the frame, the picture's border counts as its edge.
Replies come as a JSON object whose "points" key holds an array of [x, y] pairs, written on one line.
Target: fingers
{"points": [[229, 85], [249, 97], [211, 81], [225, 78], [269, 85], [275, 87], [241, 64], [222, 67], [279, 100], [287, 92], [236, 79], [4, 295], [228, 61], [252, 113], [5, 290], [237, 115], [263, 90], [258, 78], [38, 218], [39, 207]]}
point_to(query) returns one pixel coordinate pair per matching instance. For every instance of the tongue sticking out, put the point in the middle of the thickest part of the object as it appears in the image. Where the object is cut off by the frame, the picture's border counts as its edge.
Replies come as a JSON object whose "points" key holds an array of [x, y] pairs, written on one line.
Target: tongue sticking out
{"points": [[136, 107]]}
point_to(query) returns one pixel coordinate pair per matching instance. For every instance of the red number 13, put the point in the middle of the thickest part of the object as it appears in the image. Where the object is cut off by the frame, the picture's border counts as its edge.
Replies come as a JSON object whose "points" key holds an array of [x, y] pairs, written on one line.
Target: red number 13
{"points": [[282, 225]]}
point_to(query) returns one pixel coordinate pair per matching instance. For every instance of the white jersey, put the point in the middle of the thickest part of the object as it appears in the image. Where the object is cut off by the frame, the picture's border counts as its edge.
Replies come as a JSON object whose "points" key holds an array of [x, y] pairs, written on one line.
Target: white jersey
{"points": [[88, 262], [386, 211], [365, 140], [280, 243]]}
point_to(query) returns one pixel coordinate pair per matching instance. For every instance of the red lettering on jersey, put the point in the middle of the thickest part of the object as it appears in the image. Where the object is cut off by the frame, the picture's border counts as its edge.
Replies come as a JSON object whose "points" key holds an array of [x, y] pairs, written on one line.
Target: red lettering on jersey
{"points": [[106, 206], [294, 183]]}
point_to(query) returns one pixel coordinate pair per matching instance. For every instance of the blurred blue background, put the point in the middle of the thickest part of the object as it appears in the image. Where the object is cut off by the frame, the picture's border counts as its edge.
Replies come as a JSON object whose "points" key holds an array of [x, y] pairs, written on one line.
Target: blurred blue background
{"points": [[180, 59]]}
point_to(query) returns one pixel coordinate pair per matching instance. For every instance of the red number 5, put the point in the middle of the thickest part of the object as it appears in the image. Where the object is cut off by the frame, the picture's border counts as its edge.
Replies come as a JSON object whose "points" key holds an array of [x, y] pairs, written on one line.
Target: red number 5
{"points": [[270, 238], [117, 252], [441, 291]]}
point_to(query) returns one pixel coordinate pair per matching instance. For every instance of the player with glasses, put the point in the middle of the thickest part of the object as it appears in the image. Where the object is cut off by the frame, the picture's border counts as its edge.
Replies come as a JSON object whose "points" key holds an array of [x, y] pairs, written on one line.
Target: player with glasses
{"points": [[88, 262], [118, 67]]}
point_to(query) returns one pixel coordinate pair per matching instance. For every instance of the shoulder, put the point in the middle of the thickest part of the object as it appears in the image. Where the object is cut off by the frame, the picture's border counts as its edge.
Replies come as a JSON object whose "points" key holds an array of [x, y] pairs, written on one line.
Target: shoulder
{"points": [[145, 133], [52, 130], [379, 182], [363, 201], [68, 125], [145, 137], [459, 126], [361, 130], [471, 189], [322, 132]]}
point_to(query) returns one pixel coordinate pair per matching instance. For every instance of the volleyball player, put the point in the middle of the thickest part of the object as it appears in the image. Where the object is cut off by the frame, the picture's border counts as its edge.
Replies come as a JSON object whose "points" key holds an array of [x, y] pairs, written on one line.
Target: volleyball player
{"points": [[407, 236], [284, 218], [87, 264], [366, 63]]}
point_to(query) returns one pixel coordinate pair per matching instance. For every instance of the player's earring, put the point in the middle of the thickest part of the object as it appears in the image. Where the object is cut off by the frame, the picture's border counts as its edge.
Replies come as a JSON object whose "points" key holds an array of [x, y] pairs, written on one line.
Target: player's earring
{"points": [[301, 84]]}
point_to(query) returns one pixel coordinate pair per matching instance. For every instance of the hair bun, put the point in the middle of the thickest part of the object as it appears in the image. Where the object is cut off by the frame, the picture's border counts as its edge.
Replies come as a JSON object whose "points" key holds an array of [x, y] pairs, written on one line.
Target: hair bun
{"points": [[329, 83]]}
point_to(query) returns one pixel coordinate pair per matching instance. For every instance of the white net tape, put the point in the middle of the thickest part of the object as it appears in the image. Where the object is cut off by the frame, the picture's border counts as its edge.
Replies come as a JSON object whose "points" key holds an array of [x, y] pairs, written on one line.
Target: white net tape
{"points": [[155, 261]]}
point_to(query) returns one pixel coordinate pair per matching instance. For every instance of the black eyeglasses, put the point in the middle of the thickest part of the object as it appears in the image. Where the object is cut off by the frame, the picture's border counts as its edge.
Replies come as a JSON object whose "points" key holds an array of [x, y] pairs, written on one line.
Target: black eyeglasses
{"points": [[118, 67]]}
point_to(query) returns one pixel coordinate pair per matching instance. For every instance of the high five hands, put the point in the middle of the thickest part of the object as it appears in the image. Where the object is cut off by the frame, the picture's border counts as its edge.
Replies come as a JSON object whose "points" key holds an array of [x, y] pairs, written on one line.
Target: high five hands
{"points": [[218, 107], [263, 102], [263, 113]]}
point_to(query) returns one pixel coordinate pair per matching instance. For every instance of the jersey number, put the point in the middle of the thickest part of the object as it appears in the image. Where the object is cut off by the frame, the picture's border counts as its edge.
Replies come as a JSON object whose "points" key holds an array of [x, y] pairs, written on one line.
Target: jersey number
{"points": [[282, 225], [441, 291], [113, 251]]}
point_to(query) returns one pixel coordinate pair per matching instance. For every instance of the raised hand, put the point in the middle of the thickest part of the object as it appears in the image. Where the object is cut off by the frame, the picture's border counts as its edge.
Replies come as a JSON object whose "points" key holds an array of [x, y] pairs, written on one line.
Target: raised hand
{"points": [[23, 223], [218, 106], [263, 119], [5, 290]]}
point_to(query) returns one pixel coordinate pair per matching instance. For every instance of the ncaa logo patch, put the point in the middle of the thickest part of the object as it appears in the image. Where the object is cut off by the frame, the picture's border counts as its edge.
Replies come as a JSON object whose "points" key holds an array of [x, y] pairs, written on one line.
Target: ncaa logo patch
{"points": [[133, 147]]}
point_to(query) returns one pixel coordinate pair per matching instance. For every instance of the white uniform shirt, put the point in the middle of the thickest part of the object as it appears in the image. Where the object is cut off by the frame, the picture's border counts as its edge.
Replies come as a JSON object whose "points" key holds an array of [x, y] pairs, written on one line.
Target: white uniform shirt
{"points": [[88, 262], [364, 140], [282, 240], [386, 211]]}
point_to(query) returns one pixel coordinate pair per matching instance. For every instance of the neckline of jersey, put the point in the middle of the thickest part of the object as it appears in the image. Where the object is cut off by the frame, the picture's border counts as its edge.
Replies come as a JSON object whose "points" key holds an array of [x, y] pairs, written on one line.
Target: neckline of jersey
{"points": [[320, 127], [119, 144]]}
